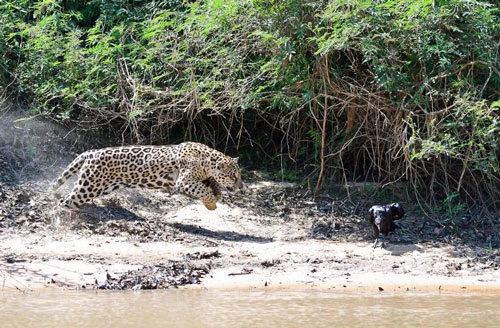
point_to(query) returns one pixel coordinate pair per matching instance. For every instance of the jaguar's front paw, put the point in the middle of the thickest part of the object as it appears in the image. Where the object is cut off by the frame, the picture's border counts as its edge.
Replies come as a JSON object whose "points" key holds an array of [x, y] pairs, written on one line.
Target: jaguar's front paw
{"points": [[210, 205]]}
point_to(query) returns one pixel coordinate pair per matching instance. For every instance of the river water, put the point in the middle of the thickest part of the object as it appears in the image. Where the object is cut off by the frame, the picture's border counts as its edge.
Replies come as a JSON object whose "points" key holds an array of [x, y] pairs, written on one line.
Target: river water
{"points": [[269, 308]]}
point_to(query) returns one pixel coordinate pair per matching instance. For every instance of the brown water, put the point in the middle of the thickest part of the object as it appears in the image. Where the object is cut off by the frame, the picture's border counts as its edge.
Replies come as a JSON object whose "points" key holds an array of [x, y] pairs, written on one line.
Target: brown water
{"points": [[197, 308]]}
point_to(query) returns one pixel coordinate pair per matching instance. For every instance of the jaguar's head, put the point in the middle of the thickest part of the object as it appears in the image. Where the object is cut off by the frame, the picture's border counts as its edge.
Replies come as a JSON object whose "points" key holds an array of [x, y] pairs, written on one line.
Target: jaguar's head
{"points": [[228, 174]]}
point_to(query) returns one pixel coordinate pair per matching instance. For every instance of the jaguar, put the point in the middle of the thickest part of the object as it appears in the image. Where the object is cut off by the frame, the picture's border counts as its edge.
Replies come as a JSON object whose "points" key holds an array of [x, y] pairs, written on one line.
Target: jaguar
{"points": [[192, 168]]}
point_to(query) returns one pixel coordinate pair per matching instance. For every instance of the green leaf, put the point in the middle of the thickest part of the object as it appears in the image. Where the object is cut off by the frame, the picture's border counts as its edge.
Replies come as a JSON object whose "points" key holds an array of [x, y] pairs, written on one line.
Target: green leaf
{"points": [[135, 113]]}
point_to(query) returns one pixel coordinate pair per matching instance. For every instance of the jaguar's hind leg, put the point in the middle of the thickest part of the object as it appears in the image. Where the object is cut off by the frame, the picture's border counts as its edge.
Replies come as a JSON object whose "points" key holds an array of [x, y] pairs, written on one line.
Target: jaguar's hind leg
{"points": [[76, 198], [88, 187]]}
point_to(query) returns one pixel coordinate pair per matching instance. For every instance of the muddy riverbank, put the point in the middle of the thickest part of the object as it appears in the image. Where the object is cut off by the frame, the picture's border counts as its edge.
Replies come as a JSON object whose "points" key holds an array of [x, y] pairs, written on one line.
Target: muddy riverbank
{"points": [[273, 236], [270, 237]]}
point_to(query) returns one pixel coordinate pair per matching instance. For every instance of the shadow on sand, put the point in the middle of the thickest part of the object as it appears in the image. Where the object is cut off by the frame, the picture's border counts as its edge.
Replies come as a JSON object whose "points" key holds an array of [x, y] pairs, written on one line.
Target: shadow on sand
{"points": [[220, 234]]}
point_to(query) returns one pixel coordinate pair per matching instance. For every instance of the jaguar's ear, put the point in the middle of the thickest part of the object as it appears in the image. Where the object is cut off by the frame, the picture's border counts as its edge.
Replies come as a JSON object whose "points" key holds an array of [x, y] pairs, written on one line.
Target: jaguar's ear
{"points": [[220, 165], [235, 159]]}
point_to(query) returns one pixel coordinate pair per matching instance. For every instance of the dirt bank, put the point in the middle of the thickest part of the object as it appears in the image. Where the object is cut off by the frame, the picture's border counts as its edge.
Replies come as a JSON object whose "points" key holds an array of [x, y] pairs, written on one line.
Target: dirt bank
{"points": [[271, 237], [274, 236]]}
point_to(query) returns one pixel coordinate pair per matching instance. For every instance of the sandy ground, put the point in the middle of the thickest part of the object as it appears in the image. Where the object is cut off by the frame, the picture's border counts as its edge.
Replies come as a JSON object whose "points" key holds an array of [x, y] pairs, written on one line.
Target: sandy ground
{"points": [[263, 239], [274, 236]]}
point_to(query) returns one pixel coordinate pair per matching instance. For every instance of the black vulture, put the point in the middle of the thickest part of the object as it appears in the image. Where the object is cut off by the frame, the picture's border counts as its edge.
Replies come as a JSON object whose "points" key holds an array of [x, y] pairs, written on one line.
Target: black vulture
{"points": [[382, 218]]}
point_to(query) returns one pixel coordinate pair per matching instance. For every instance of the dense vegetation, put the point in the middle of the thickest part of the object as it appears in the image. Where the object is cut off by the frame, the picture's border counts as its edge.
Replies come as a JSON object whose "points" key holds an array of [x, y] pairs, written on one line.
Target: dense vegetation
{"points": [[335, 91]]}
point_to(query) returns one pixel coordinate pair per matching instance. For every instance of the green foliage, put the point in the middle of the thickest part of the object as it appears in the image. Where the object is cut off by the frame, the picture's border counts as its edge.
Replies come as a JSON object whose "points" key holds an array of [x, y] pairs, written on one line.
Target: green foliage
{"points": [[417, 48], [464, 141], [373, 90], [452, 205], [13, 14]]}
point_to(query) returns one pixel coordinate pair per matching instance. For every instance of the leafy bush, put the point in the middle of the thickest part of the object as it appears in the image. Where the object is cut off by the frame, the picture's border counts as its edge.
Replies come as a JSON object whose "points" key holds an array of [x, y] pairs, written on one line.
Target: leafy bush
{"points": [[337, 91]]}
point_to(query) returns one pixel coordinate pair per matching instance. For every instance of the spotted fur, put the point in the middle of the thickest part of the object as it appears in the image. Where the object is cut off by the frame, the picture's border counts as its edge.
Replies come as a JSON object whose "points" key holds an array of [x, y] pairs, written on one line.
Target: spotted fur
{"points": [[192, 168]]}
